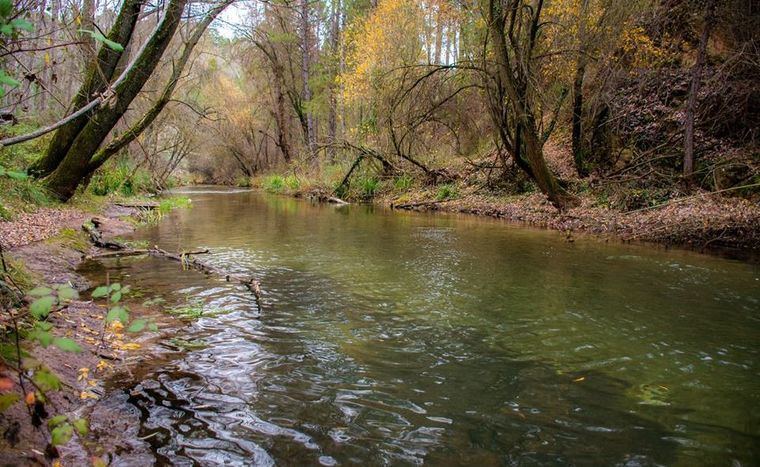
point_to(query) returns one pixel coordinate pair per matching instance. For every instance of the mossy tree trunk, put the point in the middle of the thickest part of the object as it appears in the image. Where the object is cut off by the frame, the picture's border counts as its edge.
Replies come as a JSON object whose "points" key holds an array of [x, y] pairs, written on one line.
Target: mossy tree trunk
{"points": [[115, 145], [98, 75], [75, 166]]}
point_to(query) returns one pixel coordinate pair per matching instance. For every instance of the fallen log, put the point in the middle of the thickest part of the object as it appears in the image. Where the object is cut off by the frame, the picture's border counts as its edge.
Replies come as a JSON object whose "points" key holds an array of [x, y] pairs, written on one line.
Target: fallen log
{"points": [[148, 205], [96, 236], [184, 258], [420, 204]]}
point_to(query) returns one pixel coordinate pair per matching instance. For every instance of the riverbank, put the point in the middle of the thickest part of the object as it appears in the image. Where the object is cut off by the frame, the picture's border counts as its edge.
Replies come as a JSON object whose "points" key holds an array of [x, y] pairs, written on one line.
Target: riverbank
{"points": [[708, 222], [45, 247]]}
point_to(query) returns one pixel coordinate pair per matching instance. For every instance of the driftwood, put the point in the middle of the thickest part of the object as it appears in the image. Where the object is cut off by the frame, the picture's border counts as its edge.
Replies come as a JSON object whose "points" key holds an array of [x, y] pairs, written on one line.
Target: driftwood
{"points": [[184, 258], [408, 206], [96, 236], [148, 205]]}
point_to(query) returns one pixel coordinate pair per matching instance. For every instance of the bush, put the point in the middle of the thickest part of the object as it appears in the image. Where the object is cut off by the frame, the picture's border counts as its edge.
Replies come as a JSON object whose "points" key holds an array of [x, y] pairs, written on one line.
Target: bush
{"points": [[368, 187], [292, 182], [120, 179], [274, 184], [403, 183], [243, 182], [445, 192]]}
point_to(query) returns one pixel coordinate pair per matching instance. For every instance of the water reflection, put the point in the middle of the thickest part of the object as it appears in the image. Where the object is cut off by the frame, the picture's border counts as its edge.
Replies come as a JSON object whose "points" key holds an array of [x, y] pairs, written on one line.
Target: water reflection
{"points": [[395, 338]]}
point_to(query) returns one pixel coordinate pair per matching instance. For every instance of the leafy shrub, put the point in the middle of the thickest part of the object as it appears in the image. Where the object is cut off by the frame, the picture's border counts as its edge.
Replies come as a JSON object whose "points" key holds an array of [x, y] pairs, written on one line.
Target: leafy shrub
{"points": [[120, 179], [447, 191], [403, 183], [292, 182], [274, 184], [243, 182], [368, 187]]}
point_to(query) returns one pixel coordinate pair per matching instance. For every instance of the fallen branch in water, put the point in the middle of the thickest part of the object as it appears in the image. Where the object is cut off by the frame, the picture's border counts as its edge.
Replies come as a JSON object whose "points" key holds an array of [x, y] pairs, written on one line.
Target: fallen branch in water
{"points": [[138, 252], [420, 204], [184, 258]]}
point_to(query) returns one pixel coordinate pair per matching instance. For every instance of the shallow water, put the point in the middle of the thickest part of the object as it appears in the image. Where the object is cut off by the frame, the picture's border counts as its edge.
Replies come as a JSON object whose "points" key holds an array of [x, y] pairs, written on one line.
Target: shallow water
{"points": [[405, 338]]}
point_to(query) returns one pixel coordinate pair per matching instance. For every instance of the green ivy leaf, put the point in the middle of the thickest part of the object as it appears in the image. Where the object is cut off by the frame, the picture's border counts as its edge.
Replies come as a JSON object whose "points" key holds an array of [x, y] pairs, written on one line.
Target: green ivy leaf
{"points": [[7, 400], [115, 287], [24, 25], [43, 337], [61, 434], [67, 293], [44, 326], [7, 80], [152, 327], [117, 313], [16, 175], [137, 325], [99, 37], [41, 307], [57, 420], [81, 426], [115, 297], [40, 291], [46, 380], [99, 292], [66, 344]]}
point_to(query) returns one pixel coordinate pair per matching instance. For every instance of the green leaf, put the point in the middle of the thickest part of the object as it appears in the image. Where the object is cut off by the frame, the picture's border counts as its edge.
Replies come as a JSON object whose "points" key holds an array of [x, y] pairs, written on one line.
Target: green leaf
{"points": [[24, 25], [125, 289], [113, 45], [61, 434], [40, 291], [81, 426], [137, 325], [6, 29], [115, 297], [67, 293], [43, 337], [6, 7], [115, 287], [7, 400], [66, 344], [7, 80], [152, 327], [117, 313], [101, 291], [57, 420], [41, 307], [46, 380], [44, 326], [16, 175]]}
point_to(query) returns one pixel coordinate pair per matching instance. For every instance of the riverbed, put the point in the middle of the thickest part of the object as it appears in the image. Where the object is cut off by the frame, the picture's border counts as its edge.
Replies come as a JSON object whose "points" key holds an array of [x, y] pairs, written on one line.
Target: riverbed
{"points": [[400, 338]]}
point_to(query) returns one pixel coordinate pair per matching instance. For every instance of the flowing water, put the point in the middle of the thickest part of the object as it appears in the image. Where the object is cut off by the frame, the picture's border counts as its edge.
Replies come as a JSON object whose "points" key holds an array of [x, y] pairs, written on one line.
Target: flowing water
{"points": [[406, 338]]}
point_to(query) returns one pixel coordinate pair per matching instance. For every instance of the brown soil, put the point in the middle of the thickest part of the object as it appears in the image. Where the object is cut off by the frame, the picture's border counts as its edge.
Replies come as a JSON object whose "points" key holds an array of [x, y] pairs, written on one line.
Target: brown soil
{"points": [[113, 423]]}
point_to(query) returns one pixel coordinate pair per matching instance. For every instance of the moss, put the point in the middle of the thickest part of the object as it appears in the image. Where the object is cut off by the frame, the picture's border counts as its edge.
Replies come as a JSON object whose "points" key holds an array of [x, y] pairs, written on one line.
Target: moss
{"points": [[20, 275], [71, 238]]}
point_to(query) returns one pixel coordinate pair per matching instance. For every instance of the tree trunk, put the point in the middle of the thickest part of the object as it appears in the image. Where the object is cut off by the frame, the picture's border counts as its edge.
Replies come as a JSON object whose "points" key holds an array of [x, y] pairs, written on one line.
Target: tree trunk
{"points": [[580, 72], [514, 78], [305, 75], [74, 167], [696, 81], [99, 74], [158, 106], [332, 125]]}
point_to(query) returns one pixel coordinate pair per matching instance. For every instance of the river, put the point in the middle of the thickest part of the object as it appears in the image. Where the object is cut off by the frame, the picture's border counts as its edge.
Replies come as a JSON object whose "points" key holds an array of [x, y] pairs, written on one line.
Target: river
{"points": [[405, 338]]}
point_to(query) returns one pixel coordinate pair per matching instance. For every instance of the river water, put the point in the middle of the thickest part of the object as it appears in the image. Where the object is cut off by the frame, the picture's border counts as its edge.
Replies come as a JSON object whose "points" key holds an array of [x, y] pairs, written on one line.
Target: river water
{"points": [[404, 338]]}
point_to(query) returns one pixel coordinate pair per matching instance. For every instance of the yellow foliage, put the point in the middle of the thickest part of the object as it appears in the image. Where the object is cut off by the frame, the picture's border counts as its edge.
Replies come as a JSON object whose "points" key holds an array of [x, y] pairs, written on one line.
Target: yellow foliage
{"points": [[387, 39]]}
